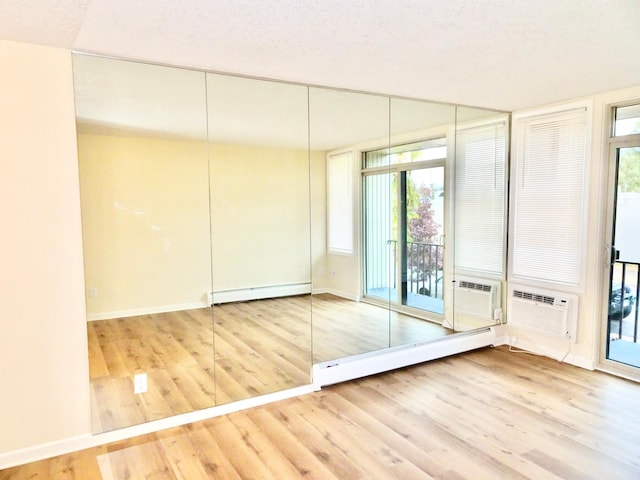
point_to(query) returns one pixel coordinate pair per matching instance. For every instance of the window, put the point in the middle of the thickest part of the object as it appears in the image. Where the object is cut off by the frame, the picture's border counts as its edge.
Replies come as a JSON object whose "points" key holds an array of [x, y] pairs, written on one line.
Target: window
{"points": [[480, 198], [340, 203], [548, 185], [627, 120]]}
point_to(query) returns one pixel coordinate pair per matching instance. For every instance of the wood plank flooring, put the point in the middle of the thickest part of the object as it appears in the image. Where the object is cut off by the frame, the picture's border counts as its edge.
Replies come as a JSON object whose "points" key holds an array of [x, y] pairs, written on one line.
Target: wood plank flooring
{"points": [[260, 347], [487, 414]]}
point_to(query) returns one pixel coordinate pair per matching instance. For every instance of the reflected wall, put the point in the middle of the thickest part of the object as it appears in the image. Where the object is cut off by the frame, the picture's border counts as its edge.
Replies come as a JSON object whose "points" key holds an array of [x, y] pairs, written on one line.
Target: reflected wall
{"points": [[260, 235], [145, 221], [236, 231]]}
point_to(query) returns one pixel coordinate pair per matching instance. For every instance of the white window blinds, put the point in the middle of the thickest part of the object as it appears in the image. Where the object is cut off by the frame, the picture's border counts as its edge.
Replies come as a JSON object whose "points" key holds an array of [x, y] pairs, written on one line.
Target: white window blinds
{"points": [[480, 192], [340, 203], [548, 187]]}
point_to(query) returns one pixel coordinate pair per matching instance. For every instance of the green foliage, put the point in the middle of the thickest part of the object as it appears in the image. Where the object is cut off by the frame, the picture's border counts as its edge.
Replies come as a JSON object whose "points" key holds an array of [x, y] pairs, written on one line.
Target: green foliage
{"points": [[629, 170]]}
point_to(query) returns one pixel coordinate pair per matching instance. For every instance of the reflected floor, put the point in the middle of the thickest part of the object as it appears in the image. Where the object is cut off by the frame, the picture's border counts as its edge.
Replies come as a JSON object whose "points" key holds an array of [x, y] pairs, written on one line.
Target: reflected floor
{"points": [[261, 346], [423, 302]]}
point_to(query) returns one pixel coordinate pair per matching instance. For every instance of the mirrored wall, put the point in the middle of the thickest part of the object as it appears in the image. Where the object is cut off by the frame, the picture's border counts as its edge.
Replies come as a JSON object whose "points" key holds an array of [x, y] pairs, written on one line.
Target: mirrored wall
{"points": [[237, 231]]}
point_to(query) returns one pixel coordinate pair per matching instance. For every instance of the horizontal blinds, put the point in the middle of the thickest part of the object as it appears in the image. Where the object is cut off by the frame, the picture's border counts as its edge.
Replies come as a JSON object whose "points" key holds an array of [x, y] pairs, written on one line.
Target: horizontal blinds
{"points": [[340, 203], [549, 186], [480, 187]]}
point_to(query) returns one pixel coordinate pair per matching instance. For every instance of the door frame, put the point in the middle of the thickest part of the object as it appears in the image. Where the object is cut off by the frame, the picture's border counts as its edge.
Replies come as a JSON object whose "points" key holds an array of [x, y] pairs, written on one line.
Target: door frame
{"points": [[612, 144], [394, 304]]}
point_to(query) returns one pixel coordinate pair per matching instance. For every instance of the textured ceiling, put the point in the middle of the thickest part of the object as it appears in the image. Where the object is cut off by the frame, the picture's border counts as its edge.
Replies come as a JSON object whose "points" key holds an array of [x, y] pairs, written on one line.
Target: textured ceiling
{"points": [[503, 54]]}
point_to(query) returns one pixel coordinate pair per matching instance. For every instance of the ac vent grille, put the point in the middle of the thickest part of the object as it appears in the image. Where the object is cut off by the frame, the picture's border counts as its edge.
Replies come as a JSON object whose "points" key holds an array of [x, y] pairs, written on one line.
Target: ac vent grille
{"points": [[475, 286], [534, 297]]}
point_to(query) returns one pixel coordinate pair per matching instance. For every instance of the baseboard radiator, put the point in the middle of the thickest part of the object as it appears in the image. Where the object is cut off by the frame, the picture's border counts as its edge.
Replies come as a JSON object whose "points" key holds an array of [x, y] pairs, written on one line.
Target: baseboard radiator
{"points": [[259, 293], [358, 366], [550, 313], [477, 297]]}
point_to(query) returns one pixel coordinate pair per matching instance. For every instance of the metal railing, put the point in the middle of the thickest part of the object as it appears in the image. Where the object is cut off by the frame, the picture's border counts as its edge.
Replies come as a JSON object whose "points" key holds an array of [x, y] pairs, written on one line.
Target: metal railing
{"points": [[423, 269], [623, 297]]}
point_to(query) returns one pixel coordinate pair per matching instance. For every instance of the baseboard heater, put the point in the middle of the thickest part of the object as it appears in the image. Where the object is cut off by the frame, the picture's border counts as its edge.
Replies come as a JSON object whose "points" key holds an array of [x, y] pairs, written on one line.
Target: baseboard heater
{"points": [[358, 366], [259, 293]]}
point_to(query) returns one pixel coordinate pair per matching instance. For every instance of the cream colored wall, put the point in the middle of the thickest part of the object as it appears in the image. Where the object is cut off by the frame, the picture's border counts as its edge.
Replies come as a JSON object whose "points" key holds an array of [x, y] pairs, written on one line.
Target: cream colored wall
{"points": [[145, 217], [259, 217], [318, 165], [593, 301], [43, 368]]}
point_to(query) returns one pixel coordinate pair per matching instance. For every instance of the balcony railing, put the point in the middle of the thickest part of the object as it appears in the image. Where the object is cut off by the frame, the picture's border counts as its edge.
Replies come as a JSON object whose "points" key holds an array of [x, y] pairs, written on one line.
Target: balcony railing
{"points": [[424, 267], [623, 311]]}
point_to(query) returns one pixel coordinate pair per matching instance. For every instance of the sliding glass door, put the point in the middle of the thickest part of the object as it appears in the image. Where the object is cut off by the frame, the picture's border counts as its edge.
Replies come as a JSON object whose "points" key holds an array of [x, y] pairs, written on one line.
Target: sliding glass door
{"points": [[404, 226]]}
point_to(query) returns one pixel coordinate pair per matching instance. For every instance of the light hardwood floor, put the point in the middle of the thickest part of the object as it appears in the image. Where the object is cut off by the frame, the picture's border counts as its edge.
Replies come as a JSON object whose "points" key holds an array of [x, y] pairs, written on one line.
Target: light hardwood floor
{"points": [[260, 347], [487, 414]]}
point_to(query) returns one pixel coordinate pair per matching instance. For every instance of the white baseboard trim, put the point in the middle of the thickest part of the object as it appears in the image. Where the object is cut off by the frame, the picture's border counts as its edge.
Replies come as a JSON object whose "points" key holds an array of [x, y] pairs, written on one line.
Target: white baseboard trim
{"points": [[81, 442], [44, 450], [338, 293], [357, 366], [258, 293], [565, 356], [133, 312]]}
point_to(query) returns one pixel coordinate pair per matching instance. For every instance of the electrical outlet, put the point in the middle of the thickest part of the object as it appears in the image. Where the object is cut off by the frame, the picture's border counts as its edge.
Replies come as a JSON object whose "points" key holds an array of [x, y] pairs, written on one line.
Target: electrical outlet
{"points": [[93, 292], [140, 383]]}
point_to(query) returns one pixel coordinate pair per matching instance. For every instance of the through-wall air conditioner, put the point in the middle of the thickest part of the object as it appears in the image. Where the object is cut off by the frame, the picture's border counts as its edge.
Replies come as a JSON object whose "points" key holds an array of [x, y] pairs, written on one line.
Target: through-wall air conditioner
{"points": [[477, 297], [542, 311]]}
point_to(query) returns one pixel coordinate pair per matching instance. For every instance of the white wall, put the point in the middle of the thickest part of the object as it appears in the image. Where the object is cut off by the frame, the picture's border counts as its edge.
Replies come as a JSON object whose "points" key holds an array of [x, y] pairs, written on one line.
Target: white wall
{"points": [[592, 308], [43, 348]]}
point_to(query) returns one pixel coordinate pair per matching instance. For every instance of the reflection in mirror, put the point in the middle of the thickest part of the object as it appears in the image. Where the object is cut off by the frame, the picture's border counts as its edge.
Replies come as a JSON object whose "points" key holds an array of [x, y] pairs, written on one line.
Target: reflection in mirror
{"points": [[420, 145], [145, 217], [480, 217], [344, 125], [260, 224]]}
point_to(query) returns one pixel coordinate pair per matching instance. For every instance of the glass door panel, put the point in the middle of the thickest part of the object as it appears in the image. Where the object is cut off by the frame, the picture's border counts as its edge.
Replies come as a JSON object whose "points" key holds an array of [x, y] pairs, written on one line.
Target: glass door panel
{"points": [[622, 315], [422, 253], [380, 250]]}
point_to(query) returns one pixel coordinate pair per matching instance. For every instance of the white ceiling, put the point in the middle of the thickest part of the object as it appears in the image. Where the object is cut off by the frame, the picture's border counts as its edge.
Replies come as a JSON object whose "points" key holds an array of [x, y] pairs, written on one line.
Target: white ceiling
{"points": [[502, 54]]}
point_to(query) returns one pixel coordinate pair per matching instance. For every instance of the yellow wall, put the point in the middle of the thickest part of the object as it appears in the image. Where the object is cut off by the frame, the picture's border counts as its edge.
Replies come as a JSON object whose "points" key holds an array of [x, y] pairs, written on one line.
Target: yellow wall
{"points": [[260, 220], [145, 205], [145, 219], [43, 348]]}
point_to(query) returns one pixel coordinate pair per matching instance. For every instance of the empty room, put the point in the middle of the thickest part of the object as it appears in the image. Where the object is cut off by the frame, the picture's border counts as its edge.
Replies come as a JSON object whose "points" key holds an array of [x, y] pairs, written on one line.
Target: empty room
{"points": [[340, 239]]}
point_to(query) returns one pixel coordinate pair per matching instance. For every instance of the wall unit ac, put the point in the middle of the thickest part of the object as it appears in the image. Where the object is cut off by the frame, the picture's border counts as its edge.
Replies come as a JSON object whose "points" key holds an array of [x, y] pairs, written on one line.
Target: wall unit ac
{"points": [[543, 311], [476, 297]]}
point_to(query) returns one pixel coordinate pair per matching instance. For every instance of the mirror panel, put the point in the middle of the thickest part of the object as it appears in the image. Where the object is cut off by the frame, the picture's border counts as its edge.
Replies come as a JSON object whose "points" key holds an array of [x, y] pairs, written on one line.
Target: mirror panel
{"points": [[420, 146], [143, 167], [343, 126], [218, 211], [260, 224], [480, 184]]}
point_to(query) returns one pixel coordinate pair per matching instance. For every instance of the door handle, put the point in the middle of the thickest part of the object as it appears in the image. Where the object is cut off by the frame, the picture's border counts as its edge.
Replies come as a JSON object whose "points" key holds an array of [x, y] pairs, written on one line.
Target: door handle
{"points": [[615, 255]]}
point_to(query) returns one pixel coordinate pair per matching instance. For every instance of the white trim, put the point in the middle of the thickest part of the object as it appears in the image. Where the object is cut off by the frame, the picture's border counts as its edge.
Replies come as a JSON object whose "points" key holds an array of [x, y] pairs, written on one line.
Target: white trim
{"points": [[81, 442], [258, 293], [357, 366], [133, 312], [338, 293]]}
